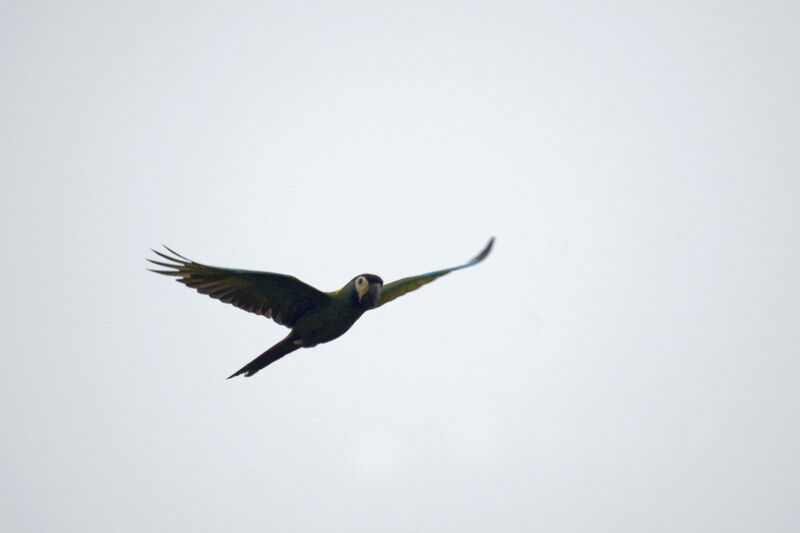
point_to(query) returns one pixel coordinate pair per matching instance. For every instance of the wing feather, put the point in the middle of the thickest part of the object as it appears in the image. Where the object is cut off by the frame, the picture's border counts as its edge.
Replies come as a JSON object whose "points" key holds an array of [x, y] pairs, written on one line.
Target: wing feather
{"points": [[403, 286], [282, 298]]}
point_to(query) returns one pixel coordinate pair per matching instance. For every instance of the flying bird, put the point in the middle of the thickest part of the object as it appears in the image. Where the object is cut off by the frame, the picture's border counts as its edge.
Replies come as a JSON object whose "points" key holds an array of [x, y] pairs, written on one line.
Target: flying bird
{"points": [[313, 316]]}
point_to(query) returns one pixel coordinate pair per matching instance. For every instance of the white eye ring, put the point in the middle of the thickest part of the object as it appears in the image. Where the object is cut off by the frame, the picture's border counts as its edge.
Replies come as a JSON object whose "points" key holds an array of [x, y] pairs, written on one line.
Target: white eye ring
{"points": [[360, 281]]}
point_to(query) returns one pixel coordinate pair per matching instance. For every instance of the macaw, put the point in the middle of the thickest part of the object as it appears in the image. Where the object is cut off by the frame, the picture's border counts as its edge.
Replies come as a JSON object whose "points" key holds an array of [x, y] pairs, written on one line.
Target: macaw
{"points": [[313, 316]]}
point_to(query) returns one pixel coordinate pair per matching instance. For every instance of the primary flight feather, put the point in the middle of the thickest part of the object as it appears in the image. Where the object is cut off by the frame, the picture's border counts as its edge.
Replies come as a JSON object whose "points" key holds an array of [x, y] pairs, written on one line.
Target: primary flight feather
{"points": [[313, 316]]}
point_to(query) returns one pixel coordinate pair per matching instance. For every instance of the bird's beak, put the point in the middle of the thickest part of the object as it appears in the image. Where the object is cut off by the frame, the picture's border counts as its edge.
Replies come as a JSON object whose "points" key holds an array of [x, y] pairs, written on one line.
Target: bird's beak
{"points": [[372, 294]]}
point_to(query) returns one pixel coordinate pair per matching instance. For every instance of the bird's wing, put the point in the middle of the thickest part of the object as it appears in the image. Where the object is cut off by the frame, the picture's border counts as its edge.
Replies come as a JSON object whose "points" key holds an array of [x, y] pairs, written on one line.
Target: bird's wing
{"points": [[282, 298], [392, 290]]}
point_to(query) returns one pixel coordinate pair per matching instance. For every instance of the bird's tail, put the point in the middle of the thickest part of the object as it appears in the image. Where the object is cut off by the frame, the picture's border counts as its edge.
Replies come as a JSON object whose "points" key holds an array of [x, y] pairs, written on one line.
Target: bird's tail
{"points": [[270, 356]]}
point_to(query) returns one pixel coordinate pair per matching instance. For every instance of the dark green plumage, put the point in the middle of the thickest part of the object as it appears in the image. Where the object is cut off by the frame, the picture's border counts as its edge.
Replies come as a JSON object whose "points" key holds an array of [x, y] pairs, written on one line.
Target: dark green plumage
{"points": [[314, 316]]}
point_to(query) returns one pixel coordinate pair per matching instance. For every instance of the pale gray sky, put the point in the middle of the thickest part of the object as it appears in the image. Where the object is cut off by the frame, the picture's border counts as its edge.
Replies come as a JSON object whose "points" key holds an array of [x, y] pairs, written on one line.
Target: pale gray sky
{"points": [[625, 360]]}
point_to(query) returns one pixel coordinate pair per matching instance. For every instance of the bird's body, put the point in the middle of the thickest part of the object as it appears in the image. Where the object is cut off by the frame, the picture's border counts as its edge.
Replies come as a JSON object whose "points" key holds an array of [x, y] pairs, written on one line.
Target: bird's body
{"points": [[314, 316], [326, 322]]}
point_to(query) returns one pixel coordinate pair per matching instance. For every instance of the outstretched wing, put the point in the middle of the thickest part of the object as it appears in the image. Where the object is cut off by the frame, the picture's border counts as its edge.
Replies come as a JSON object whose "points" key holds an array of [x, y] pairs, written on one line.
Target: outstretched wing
{"points": [[282, 298], [392, 290]]}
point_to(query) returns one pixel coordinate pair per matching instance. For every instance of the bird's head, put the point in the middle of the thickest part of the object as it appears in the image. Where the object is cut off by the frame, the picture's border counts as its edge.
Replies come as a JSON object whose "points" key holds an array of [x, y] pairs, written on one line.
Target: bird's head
{"points": [[367, 290]]}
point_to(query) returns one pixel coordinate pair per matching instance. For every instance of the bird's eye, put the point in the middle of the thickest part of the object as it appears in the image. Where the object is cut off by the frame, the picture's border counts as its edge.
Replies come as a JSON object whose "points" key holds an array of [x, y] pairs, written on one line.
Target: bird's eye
{"points": [[360, 281]]}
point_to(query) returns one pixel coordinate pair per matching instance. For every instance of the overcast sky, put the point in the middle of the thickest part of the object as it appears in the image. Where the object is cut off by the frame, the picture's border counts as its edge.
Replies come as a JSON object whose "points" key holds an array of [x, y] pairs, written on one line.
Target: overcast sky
{"points": [[625, 360]]}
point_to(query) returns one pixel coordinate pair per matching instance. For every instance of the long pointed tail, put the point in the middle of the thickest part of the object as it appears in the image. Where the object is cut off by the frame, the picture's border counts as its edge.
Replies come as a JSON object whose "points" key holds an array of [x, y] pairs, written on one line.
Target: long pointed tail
{"points": [[270, 356]]}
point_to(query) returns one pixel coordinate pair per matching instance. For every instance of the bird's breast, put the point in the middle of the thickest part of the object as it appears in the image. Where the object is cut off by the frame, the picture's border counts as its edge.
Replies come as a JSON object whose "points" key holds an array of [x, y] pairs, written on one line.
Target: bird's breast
{"points": [[324, 325]]}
